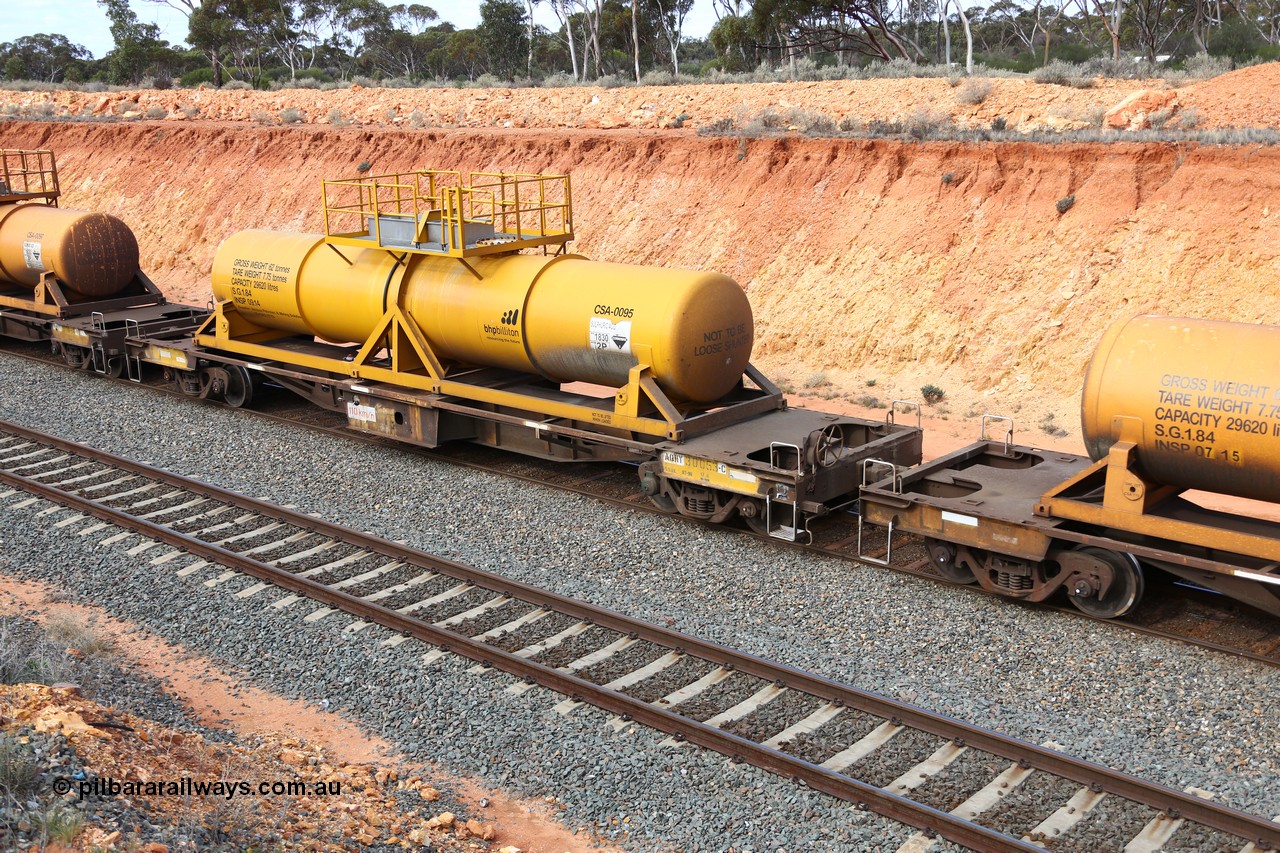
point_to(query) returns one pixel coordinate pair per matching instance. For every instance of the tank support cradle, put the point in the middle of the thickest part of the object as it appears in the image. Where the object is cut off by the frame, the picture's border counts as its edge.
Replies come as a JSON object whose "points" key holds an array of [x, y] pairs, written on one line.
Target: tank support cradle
{"points": [[398, 353], [1132, 503], [49, 299]]}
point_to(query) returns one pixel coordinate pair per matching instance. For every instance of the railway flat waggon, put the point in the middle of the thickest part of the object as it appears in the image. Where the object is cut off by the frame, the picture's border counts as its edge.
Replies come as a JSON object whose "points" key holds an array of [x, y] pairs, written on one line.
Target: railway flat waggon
{"points": [[72, 277], [1174, 411], [443, 307]]}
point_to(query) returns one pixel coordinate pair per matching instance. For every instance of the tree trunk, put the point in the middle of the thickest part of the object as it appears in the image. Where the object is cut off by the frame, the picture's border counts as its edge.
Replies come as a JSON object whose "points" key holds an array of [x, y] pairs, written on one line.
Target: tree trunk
{"points": [[968, 38], [595, 38], [586, 36], [1199, 25], [1111, 22], [529, 64], [946, 27], [635, 37], [217, 67], [573, 53]]}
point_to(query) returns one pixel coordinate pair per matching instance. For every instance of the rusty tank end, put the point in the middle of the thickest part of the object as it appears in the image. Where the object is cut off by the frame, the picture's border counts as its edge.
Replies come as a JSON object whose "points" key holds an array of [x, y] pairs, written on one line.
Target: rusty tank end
{"points": [[564, 317], [1203, 395], [95, 255]]}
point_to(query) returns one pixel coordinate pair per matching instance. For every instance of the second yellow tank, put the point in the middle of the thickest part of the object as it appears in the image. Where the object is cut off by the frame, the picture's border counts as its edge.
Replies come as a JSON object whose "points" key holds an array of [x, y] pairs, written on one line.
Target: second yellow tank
{"points": [[1204, 395]]}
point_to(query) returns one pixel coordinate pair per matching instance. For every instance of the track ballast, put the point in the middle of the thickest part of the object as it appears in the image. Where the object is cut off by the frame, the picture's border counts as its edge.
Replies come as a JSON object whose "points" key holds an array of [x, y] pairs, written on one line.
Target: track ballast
{"points": [[557, 642]]}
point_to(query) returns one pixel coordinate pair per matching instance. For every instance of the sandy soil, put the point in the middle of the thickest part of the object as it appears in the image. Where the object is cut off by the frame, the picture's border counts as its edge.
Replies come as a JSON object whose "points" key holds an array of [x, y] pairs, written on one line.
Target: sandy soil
{"points": [[1245, 98], [219, 699]]}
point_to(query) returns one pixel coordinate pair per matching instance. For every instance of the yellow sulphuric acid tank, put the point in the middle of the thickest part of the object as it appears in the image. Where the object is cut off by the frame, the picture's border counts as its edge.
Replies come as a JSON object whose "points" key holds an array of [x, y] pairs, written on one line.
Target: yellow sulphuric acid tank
{"points": [[1207, 393], [93, 254], [565, 317]]}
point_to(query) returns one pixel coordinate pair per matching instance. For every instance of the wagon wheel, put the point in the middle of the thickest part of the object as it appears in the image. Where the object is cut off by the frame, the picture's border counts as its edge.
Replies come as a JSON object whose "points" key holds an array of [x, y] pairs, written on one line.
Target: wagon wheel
{"points": [[1124, 592], [230, 383], [240, 387], [753, 513], [943, 556]]}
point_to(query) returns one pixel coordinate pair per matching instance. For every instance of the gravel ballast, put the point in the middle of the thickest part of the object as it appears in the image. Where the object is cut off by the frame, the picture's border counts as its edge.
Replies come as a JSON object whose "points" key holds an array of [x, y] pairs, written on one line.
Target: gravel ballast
{"points": [[1174, 714]]}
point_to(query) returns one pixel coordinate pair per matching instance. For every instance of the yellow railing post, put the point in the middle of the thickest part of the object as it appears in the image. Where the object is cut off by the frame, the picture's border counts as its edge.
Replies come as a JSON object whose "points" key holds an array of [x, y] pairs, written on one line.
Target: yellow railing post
{"points": [[324, 206]]}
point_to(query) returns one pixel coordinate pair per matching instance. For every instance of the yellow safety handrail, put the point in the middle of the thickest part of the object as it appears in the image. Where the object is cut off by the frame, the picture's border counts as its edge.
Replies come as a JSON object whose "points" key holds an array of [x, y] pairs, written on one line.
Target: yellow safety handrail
{"points": [[28, 174], [517, 210]]}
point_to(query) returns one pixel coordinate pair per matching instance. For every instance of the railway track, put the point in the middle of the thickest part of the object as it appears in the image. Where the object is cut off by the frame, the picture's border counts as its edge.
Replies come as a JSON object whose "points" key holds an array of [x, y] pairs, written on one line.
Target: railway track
{"points": [[1179, 613], [947, 778]]}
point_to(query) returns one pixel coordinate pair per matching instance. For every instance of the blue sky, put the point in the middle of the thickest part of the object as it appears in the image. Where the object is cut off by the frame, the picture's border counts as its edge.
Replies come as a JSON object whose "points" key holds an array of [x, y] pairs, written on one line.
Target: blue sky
{"points": [[83, 22]]}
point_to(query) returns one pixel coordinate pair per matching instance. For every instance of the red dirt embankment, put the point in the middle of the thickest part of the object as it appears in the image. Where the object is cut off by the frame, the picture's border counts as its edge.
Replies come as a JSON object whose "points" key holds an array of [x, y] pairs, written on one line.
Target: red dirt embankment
{"points": [[906, 263]]}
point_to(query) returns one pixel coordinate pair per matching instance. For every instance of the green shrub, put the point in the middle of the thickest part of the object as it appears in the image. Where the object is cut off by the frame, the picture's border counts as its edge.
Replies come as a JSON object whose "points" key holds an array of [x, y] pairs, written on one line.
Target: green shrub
{"points": [[974, 91], [926, 124], [881, 127], [717, 127], [1049, 426], [192, 79], [1059, 73], [19, 771], [318, 74], [58, 825], [559, 80], [658, 77], [812, 123], [73, 633], [932, 394], [1064, 204], [767, 119], [1189, 118]]}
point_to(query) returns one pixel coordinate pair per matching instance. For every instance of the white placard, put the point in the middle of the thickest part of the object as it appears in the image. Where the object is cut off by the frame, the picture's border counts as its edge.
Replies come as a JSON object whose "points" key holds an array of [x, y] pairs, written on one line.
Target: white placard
{"points": [[33, 254], [607, 335]]}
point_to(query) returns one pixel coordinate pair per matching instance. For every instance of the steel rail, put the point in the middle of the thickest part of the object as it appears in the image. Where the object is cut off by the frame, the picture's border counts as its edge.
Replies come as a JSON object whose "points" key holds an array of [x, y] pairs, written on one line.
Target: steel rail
{"points": [[575, 488], [882, 802], [1098, 778]]}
